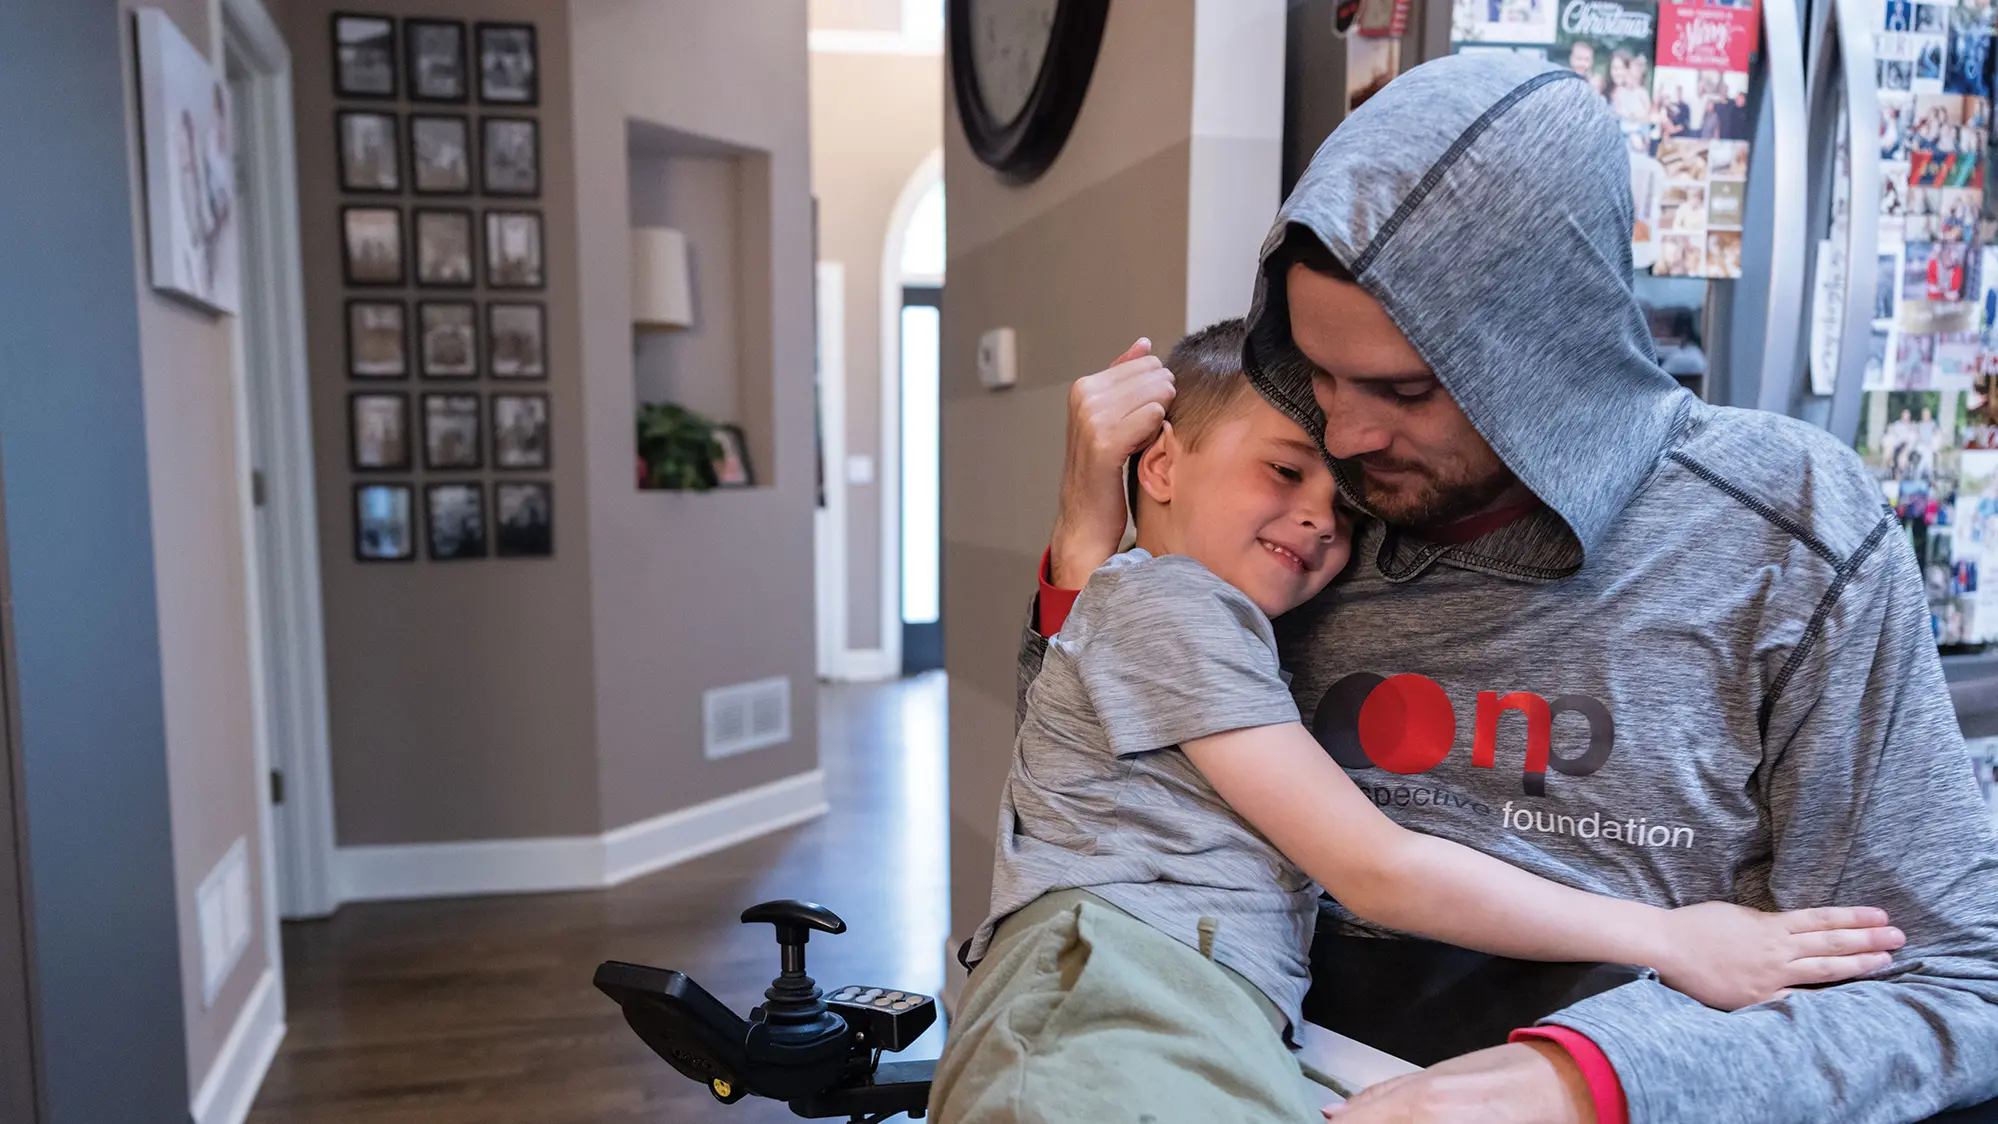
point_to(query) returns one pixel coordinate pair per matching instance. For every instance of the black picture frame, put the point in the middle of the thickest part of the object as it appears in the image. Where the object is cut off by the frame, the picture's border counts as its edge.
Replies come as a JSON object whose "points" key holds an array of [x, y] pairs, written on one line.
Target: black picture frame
{"points": [[362, 553], [501, 276], [500, 89], [512, 369], [428, 275], [346, 61], [432, 438], [734, 441], [1022, 148], [498, 185], [428, 362], [524, 538], [375, 276], [345, 157], [423, 87], [478, 547], [356, 308], [355, 459], [542, 455], [419, 124]]}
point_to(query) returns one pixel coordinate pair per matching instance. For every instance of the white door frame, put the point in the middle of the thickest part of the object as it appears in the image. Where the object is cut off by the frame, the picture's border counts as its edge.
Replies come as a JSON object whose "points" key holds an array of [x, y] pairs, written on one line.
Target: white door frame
{"points": [[829, 536], [287, 635], [926, 176]]}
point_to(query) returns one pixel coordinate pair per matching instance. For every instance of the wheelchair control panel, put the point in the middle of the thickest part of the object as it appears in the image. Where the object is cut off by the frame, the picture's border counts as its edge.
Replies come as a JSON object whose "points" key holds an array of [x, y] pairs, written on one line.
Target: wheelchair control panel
{"points": [[819, 1054]]}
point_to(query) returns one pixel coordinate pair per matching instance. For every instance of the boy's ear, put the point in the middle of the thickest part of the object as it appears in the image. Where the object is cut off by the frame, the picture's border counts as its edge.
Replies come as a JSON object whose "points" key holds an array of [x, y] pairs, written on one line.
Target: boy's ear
{"points": [[1155, 465]]}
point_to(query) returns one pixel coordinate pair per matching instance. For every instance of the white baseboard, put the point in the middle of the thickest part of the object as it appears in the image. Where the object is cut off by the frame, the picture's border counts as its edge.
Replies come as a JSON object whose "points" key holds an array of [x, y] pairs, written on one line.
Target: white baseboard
{"points": [[868, 665], [230, 1088], [577, 862]]}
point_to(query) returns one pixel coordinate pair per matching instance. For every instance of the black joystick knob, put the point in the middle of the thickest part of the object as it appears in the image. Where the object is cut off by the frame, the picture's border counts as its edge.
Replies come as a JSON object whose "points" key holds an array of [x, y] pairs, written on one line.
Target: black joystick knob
{"points": [[794, 1005]]}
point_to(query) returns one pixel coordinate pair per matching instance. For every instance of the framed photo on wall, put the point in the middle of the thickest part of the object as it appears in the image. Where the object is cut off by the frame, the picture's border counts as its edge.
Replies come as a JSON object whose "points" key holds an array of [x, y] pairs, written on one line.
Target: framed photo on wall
{"points": [[371, 245], [509, 69], [516, 346], [363, 56], [451, 431], [189, 153], [457, 521], [378, 431], [370, 158], [444, 248], [436, 53], [384, 523], [524, 520], [440, 154], [377, 339], [520, 430], [513, 250], [510, 156], [448, 332]]}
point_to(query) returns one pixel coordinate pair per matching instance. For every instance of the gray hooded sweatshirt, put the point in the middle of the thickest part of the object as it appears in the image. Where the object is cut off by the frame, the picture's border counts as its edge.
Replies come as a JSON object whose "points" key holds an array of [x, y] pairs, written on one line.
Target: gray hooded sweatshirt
{"points": [[1702, 671]]}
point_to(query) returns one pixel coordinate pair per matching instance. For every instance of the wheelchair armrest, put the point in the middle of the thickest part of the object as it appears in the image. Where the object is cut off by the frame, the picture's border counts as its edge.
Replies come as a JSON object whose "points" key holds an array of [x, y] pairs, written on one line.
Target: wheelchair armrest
{"points": [[1424, 1001]]}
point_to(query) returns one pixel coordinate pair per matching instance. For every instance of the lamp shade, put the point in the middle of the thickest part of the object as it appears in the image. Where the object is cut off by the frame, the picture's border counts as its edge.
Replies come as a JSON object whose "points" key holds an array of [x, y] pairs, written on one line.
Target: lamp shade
{"points": [[662, 290]]}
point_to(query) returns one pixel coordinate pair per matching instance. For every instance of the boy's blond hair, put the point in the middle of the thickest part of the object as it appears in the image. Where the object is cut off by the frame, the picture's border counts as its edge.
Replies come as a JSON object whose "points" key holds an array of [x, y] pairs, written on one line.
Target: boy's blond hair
{"points": [[1208, 388]]}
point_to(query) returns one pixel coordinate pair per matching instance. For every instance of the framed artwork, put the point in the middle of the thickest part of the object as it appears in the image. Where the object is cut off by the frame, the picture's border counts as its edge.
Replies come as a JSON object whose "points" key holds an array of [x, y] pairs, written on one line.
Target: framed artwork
{"points": [[370, 159], [509, 71], [520, 430], [732, 467], [384, 523], [371, 245], [510, 156], [378, 431], [363, 56], [513, 250], [190, 158], [515, 340], [451, 431], [448, 335], [377, 339], [444, 248], [440, 154], [436, 53], [524, 515], [456, 521]]}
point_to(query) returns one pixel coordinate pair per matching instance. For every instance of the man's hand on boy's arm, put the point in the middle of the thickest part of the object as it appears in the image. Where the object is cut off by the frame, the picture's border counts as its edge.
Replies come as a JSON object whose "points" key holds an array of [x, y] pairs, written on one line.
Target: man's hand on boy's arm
{"points": [[1111, 414]]}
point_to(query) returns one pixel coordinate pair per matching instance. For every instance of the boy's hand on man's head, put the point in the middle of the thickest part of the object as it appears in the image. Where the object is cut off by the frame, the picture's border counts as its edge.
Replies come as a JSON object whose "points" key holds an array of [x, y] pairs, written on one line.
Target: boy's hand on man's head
{"points": [[1111, 415]]}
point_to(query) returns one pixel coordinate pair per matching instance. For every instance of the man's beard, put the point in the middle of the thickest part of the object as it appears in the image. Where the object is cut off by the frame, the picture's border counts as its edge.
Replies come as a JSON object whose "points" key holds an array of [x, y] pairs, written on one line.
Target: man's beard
{"points": [[1425, 501]]}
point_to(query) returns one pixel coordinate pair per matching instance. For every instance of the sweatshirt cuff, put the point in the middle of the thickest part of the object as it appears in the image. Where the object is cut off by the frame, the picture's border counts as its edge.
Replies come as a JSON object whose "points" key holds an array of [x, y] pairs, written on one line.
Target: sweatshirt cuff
{"points": [[1604, 1088], [1055, 602]]}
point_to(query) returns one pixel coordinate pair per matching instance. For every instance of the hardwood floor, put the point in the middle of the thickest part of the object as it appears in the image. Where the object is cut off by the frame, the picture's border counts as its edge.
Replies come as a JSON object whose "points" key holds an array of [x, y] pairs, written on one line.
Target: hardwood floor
{"points": [[481, 1010]]}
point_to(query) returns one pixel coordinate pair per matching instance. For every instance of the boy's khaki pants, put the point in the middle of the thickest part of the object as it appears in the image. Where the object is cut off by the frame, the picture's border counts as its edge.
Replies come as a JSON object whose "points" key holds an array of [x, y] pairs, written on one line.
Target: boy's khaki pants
{"points": [[1082, 1013]]}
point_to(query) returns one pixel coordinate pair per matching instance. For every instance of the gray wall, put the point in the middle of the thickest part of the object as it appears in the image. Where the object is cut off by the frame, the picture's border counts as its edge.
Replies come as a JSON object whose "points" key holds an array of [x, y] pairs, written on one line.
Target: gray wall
{"points": [[17, 1047], [86, 627], [459, 694], [195, 482], [700, 196], [697, 590]]}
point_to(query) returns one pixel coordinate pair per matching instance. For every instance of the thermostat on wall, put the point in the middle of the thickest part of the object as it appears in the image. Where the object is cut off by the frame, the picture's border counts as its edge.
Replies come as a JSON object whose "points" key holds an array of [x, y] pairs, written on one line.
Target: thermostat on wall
{"points": [[998, 365]]}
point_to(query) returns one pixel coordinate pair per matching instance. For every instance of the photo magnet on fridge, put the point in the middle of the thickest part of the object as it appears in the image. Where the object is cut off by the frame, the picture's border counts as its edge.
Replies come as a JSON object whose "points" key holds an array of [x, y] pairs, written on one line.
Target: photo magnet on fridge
{"points": [[1611, 43]]}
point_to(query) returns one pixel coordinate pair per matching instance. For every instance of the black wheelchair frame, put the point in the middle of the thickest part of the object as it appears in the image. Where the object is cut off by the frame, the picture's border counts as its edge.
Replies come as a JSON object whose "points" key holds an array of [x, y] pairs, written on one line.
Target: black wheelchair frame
{"points": [[1419, 1000]]}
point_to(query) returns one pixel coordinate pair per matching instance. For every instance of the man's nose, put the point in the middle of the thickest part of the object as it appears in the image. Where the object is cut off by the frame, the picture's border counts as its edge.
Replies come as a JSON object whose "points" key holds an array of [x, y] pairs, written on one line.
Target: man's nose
{"points": [[1354, 432]]}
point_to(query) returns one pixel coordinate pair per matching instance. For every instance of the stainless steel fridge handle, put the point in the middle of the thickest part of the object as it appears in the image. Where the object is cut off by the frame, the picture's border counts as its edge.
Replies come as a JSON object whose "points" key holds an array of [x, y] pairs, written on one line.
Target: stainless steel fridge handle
{"points": [[1862, 233], [1783, 38]]}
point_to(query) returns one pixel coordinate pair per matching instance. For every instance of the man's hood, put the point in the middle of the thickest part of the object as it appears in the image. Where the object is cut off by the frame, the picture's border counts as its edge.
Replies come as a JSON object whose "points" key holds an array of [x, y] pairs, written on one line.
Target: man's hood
{"points": [[1485, 201]]}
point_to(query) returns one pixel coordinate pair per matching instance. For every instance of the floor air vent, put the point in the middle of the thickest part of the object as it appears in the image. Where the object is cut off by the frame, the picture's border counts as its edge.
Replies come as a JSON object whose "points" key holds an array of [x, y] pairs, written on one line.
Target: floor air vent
{"points": [[746, 716]]}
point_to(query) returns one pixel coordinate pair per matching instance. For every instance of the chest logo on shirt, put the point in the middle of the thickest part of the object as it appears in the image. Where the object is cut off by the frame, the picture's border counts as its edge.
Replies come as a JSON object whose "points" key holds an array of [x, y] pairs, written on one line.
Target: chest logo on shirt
{"points": [[1405, 724]]}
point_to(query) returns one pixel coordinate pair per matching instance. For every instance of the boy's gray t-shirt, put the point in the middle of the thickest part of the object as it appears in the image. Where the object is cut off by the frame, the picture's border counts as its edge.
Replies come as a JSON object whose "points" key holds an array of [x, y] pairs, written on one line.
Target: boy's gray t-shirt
{"points": [[1157, 651]]}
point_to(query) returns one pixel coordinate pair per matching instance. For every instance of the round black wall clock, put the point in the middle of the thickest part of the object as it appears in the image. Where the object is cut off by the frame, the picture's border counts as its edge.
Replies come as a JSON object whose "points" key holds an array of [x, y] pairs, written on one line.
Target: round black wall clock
{"points": [[1019, 69]]}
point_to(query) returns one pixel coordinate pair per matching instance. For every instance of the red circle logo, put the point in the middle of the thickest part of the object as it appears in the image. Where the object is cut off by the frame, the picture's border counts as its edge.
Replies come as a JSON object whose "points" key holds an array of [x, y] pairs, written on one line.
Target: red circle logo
{"points": [[1406, 724]]}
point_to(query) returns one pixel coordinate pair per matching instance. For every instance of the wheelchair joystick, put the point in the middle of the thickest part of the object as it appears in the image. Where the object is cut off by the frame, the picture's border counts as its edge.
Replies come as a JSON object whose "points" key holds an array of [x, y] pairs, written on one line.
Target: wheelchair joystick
{"points": [[794, 1009]]}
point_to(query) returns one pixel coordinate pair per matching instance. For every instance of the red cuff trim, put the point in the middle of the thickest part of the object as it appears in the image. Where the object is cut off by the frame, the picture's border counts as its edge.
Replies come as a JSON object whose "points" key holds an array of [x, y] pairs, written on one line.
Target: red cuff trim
{"points": [[1055, 601], [1604, 1087]]}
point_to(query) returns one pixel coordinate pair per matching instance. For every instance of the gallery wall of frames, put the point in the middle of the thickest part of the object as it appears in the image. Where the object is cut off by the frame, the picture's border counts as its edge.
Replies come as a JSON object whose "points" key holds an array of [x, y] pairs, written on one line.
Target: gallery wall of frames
{"points": [[443, 261]]}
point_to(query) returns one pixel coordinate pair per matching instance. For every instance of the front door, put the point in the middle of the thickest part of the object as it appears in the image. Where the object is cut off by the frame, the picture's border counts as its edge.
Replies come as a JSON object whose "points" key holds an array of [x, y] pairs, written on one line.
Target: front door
{"points": [[922, 509]]}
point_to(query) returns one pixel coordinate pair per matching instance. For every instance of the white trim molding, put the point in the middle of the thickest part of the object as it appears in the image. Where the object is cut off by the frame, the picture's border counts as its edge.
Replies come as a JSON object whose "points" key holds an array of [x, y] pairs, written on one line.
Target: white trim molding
{"points": [[398, 871], [226, 1094], [829, 522], [841, 41]]}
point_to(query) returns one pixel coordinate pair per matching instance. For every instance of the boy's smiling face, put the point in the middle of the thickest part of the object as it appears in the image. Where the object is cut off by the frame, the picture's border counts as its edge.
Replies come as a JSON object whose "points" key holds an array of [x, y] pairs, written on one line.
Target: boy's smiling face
{"points": [[1252, 500]]}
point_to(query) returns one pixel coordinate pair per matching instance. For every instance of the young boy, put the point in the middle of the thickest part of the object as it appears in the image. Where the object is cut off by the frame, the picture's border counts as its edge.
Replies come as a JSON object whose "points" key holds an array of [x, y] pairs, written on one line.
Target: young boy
{"points": [[1167, 822]]}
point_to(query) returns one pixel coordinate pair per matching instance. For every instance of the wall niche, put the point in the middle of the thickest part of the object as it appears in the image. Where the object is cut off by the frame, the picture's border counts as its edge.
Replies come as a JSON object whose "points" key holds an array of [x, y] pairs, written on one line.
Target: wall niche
{"points": [[721, 366]]}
